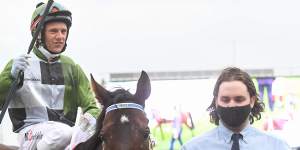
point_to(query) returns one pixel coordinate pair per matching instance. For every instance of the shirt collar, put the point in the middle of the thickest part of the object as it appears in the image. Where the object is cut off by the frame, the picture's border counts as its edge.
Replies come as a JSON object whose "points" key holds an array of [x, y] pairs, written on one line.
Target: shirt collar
{"points": [[42, 53], [225, 134]]}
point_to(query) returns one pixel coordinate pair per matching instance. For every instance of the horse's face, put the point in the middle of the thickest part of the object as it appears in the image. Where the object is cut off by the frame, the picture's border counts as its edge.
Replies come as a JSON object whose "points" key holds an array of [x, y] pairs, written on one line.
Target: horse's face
{"points": [[124, 127]]}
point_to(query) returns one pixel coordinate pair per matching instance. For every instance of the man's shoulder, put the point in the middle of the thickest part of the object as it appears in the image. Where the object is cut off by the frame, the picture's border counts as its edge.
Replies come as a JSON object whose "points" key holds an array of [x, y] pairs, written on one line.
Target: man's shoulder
{"points": [[270, 138], [273, 137], [264, 134]]}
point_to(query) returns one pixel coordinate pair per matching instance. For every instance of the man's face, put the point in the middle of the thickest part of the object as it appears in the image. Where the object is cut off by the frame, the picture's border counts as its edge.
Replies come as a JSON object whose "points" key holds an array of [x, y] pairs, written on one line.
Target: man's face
{"points": [[55, 36], [234, 93]]}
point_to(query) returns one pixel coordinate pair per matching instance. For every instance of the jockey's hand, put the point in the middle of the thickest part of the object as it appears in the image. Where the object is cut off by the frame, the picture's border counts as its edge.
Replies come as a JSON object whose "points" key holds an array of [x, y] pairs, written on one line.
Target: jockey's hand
{"points": [[83, 130], [87, 123], [19, 63]]}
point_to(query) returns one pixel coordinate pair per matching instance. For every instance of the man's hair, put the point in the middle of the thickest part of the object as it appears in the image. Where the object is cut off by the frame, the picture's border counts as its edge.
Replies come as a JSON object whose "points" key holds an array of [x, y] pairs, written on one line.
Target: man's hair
{"points": [[236, 74]]}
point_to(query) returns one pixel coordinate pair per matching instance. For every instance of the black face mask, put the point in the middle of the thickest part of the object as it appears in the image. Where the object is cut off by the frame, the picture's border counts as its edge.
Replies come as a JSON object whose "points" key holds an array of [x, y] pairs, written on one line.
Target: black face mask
{"points": [[234, 116]]}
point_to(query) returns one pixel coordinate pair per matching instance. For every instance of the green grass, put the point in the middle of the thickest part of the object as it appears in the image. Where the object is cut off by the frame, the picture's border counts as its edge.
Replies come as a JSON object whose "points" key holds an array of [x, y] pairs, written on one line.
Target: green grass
{"points": [[163, 141]]}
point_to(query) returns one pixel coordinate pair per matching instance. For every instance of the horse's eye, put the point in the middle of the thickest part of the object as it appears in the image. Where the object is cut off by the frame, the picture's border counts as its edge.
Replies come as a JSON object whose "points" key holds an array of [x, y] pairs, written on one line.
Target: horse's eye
{"points": [[146, 133], [102, 137]]}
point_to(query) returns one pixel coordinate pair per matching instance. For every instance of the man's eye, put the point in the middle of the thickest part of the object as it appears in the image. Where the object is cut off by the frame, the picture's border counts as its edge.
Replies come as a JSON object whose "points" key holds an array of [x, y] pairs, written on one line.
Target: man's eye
{"points": [[239, 99], [225, 99]]}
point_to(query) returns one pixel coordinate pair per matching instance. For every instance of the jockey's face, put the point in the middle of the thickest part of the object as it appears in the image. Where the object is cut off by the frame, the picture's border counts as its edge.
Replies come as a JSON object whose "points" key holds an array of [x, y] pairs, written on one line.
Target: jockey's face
{"points": [[55, 36]]}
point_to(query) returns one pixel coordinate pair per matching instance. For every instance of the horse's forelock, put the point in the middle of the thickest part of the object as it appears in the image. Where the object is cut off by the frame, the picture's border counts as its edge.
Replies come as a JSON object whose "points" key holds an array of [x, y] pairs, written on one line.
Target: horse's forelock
{"points": [[121, 95]]}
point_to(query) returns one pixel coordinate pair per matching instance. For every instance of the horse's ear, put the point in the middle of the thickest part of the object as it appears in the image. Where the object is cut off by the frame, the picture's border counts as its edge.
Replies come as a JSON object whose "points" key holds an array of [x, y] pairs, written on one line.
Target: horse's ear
{"points": [[143, 89], [101, 93]]}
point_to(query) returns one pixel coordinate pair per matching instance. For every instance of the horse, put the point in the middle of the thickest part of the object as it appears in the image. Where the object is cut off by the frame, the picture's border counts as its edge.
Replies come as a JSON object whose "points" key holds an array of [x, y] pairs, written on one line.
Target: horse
{"points": [[122, 123]]}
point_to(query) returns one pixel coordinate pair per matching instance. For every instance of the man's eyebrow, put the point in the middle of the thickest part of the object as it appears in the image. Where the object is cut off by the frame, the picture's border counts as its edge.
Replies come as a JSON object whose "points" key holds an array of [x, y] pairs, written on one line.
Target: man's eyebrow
{"points": [[225, 97], [239, 97], [53, 29], [233, 97]]}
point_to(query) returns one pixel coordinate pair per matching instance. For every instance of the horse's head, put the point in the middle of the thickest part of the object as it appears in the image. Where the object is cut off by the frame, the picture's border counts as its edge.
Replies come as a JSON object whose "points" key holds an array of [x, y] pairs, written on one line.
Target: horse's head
{"points": [[124, 125]]}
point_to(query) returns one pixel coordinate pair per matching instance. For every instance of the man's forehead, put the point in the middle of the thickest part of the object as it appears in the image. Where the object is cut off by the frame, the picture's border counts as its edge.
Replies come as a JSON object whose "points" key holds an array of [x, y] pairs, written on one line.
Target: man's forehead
{"points": [[56, 24], [233, 88]]}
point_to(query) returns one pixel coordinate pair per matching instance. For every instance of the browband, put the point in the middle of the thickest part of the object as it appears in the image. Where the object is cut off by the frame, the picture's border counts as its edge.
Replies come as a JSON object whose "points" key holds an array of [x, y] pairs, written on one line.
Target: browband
{"points": [[124, 105]]}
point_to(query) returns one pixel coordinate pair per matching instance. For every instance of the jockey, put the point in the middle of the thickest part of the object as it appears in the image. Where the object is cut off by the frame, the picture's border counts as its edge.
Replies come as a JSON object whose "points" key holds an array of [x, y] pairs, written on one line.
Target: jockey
{"points": [[45, 107]]}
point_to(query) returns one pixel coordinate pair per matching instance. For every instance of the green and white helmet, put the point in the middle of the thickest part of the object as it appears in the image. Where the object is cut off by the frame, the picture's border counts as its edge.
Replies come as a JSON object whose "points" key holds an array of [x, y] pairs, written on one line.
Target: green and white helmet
{"points": [[58, 13]]}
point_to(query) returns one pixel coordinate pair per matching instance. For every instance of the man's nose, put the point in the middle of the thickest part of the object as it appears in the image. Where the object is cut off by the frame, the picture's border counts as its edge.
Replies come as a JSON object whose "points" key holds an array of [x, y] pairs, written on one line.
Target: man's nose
{"points": [[231, 103], [60, 35]]}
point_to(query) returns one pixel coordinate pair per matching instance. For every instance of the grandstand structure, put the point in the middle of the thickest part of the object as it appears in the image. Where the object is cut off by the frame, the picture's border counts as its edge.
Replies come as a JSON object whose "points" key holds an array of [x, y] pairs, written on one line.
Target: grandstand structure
{"points": [[183, 75]]}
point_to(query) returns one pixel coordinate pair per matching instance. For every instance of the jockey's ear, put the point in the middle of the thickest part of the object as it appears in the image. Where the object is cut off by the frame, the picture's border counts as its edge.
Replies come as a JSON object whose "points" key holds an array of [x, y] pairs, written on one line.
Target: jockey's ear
{"points": [[101, 93], [143, 89]]}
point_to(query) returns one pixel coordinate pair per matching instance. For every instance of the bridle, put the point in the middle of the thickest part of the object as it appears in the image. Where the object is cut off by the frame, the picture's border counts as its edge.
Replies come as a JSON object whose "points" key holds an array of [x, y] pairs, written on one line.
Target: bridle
{"points": [[124, 105], [130, 106]]}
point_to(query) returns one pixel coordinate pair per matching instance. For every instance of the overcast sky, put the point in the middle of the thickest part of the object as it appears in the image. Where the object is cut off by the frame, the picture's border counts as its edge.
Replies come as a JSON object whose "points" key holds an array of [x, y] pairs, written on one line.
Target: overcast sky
{"points": [[167, 35]]}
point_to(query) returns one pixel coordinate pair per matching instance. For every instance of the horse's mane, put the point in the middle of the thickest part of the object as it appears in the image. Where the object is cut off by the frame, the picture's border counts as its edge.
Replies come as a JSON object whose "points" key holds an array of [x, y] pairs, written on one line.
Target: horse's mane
{"points": [[120, 95]]}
